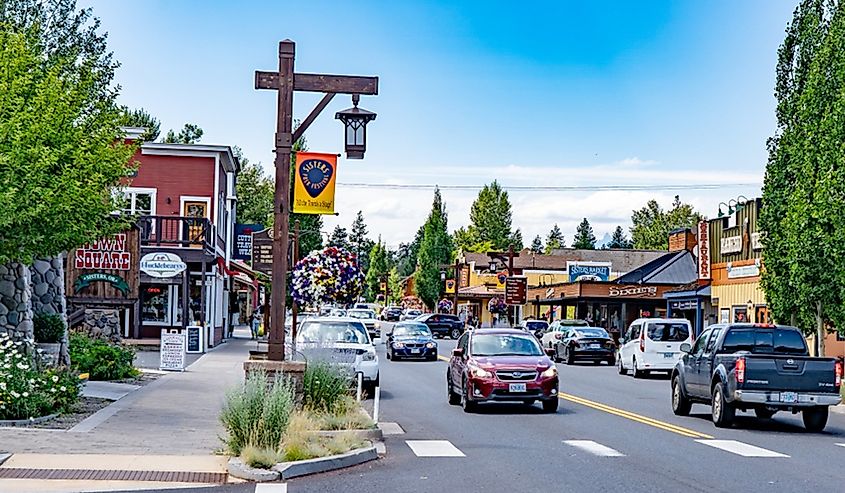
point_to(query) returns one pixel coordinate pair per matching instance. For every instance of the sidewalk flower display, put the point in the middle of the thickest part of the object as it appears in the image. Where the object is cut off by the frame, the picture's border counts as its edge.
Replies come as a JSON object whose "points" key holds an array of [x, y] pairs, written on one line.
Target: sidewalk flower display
{"points": [[444, 306], [497, 305], [26, 390], [328, 276]]}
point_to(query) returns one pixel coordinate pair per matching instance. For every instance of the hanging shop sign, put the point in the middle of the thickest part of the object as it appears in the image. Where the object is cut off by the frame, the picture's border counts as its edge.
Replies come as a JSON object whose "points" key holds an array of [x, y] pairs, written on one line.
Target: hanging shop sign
{"points": [[501, 277], [85, 280], [516, 290], [684, 305], [104, 254], [262, 252], [172, 350], [704, 250], [162, 264], [756, 241], [736, 272], [588, 271], [243, 240], [632, 291], [464, 276], [731, 244], [314, 183]]}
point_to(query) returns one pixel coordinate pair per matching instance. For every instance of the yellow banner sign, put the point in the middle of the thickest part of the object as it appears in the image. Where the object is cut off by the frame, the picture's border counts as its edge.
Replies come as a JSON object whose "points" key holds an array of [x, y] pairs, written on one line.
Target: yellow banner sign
{"points": [[450, 286], [314, 182]]}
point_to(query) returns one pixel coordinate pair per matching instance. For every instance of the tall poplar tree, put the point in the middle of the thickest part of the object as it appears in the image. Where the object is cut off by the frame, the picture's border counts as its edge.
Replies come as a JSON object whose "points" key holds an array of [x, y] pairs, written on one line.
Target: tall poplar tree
{"points": [[491, 220], [435, 251]]}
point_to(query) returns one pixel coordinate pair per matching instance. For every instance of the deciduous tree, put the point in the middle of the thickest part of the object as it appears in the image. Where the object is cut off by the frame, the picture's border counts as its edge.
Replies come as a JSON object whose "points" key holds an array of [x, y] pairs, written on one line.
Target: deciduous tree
{"points": [[435, 251], [139, 117], [651, 224], [491, 219], [378, 269]]}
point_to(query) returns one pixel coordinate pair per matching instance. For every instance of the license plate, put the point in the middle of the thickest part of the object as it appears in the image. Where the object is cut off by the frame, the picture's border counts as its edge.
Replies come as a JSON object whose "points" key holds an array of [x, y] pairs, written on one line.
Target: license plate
{"points": [[516, 387], [415, 351], [594, 346], [790, 397], [668, 355]]}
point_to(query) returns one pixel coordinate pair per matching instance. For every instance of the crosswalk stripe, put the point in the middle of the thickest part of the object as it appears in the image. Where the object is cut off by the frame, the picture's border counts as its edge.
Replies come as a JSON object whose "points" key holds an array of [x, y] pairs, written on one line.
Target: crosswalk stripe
{"points": [[390, 428], [271, 488], [841, 444], [740, 448], [594, 448], [434, 448]]}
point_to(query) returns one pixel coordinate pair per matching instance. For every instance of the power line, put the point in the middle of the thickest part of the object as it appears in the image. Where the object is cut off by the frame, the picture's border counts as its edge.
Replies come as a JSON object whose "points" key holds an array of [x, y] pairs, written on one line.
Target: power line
{"points": [[555, 188]]}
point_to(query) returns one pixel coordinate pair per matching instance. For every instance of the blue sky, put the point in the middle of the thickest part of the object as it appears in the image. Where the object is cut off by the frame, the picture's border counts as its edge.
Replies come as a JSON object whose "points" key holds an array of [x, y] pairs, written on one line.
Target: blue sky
{"points": [[539, 93]]}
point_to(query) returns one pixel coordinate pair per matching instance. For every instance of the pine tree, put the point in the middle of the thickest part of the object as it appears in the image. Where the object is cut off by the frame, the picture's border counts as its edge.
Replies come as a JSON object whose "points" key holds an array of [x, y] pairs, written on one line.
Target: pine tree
{"points": [[619, 240], [339, 238], [435, 250], [378, 269], [537, 245], [491, 219], [358, 241], [554, 240], [516, 240], [584, 237]]}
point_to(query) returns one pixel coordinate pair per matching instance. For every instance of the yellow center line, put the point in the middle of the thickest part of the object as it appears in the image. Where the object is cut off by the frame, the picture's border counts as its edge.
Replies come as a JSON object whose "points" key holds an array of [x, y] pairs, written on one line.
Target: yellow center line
{"points": [[626, 414]]}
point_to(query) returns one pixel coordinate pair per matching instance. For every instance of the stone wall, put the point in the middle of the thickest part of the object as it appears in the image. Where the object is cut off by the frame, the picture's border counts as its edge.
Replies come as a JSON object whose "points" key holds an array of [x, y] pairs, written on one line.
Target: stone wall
{"points": [[16, 301], [103, 323], [48, 286]]}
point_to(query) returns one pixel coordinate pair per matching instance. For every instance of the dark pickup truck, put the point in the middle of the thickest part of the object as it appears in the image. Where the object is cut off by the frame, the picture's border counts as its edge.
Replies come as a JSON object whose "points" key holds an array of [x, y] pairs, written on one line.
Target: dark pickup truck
{"points": [[766, 368]]}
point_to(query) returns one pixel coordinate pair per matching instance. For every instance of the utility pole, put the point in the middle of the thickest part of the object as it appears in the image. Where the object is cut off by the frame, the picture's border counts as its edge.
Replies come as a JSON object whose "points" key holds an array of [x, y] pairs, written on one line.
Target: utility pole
{"points": [[285, 81]]}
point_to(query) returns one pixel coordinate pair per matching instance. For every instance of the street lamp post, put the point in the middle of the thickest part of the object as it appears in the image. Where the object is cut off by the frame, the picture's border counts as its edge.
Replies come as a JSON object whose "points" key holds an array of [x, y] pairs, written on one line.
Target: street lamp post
{"points": [[285, 82], [503, 257]]}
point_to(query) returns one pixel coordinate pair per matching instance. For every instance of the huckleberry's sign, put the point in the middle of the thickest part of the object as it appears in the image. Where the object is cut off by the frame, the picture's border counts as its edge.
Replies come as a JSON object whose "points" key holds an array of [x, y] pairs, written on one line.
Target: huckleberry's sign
{"points": [[162, 264]]}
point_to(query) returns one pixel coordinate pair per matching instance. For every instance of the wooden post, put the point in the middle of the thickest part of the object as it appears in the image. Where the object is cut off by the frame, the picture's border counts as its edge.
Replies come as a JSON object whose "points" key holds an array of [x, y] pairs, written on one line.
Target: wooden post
{"points": [[457, 283], [295, 307]]}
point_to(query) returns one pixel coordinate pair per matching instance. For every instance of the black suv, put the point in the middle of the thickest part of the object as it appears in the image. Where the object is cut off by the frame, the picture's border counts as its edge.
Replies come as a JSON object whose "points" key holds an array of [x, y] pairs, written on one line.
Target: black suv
{"points": [[443, 324]]}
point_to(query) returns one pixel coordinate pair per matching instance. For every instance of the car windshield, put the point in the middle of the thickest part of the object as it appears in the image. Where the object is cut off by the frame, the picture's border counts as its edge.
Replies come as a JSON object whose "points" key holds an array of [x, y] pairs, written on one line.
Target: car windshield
{"points": [[505, 345], [321, 332], [361, 314], [536, 325], [780, 341], [668, 332], [592, 332], [411, 330]]}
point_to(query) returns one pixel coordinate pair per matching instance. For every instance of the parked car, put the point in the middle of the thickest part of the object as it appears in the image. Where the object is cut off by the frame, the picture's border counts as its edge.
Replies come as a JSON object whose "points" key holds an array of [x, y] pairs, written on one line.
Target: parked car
{"points": [[411, 340], [410, 314], [443, 324], [556, 330], [652, 344], [585, 344], [366, 306], [766, 368], [501, 365], [342, 340], [368, 318], [536, 327], [391, 314]]}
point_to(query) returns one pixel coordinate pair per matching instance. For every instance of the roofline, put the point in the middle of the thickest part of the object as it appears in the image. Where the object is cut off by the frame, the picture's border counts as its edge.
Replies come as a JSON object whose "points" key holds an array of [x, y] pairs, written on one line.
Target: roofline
{"points": [[230, 162]]}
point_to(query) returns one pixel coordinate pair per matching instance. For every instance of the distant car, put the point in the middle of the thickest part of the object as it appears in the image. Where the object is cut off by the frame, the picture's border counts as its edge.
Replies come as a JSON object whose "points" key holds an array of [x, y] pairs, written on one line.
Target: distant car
{"points": [[368, 318], [501, 365], [410, 314], [410, 340], [337, 312], [653, 344], [536, 327], [342, 340], [443, 324], [391, 314], [585, 344], [557, 329]]}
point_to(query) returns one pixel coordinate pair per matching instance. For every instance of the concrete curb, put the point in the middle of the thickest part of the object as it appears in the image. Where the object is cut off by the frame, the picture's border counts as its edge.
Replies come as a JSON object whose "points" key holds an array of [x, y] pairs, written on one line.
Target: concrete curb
{"points": [[840, 409], [373, 435], [4, 457], [27, 422], [239, 470], [355, 457]]}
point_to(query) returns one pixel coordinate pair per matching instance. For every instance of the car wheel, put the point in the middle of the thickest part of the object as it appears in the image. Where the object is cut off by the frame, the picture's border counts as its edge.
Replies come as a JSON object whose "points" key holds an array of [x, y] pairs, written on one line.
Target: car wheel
{"points": [[815, 418], [611, 361], [723, 411], [621, 369], [763, 413], [570, 360], [454, 399], [681, 405], [468, 405], [387, 355], [637, 372], [456, 333], [551, 405]]}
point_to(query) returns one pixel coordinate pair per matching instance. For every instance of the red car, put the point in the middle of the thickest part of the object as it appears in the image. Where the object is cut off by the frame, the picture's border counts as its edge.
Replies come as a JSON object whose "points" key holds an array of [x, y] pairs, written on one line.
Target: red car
{"points": [[501, 365]]}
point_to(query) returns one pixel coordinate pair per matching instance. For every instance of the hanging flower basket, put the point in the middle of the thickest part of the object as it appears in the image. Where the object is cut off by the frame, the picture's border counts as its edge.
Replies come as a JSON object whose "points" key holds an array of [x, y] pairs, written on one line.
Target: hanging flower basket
{"points": [[444, 306], [497, 305], [326, 277]]}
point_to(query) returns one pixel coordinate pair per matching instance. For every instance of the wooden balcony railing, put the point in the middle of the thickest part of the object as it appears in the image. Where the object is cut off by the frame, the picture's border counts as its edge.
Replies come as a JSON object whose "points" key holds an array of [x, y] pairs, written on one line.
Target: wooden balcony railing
{"points": [[176, 231]]}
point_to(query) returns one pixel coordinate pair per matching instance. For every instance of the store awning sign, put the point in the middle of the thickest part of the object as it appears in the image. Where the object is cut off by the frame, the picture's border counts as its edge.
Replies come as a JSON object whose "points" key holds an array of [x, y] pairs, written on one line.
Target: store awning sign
{"points": [[85, 280], [162, 264]]}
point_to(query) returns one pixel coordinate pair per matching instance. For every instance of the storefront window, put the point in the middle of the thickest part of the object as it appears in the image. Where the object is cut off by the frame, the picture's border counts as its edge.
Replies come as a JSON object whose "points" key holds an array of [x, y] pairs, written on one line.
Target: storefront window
{"points": [[155, 303], [762, 315], [740, 314]]}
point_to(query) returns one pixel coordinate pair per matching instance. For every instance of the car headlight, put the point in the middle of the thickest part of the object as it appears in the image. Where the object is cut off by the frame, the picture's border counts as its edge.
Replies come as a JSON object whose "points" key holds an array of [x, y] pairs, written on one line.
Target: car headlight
{"points": [[398, 345], [378, 325], [480, 372], [431, 345], [369, 356], [550, 372]]}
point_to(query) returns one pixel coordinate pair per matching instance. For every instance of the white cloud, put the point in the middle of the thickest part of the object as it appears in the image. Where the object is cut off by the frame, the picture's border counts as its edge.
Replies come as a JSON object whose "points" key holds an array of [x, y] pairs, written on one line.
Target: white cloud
{"points": [[635, 161]]}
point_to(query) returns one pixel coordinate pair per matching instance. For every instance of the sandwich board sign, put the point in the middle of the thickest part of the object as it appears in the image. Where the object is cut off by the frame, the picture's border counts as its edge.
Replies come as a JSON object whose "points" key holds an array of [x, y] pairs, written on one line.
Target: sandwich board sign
{"points": [[172, 351]]}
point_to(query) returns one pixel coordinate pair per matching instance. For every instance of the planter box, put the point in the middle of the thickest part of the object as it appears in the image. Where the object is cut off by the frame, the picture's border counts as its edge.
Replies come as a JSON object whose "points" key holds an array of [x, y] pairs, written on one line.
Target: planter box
{"points": [[27, 422], [289, 470]]}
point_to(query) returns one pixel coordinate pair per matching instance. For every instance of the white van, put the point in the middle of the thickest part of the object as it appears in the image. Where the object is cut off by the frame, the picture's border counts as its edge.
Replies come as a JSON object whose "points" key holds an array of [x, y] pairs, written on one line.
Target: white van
{"points": [[652, 344]]}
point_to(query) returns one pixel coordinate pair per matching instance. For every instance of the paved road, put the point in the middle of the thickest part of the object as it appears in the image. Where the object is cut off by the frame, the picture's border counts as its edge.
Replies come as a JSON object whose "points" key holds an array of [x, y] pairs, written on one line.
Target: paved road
{"points": [[612, 433]]}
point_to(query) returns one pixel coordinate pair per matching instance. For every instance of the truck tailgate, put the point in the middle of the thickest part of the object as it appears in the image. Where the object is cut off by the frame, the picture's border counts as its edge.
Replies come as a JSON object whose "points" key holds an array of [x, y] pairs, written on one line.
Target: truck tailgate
{"points": [[789, 373]]}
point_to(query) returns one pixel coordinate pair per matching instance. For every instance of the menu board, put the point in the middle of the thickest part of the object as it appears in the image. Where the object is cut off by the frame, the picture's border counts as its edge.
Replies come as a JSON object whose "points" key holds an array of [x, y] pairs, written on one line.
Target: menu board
{"points": [[194, 339], [172, 351]]}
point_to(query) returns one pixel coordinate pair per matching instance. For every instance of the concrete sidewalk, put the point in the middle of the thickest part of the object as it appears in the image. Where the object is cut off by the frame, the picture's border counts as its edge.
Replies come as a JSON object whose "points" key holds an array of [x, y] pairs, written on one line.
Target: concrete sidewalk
{"points": [[175, 415]]}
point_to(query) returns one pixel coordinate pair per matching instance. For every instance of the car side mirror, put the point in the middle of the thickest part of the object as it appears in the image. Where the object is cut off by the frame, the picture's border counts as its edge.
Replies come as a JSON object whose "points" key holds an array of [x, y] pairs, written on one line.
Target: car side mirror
{"points": [[550, 352], [458, 352], [686, 348]]}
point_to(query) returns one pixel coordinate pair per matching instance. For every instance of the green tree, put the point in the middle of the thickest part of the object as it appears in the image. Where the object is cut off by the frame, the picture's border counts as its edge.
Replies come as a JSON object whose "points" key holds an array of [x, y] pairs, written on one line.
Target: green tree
{"points": [[491, 219], [394, 284], [359, 242], [191, 133], [310, 225], [555, 239], [435, 251], [378, 269], [537, 244], [139, 117], [804, 231], [584, 237], [619, 240], [516, 240], [255, 192], [651, 224], [339, 238], [61, 151]]}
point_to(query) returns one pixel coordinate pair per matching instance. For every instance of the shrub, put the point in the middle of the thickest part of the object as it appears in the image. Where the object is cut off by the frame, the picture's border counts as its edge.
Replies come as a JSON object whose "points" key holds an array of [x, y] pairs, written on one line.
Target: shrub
{"points": [[302, 443], [257, 414], [101, 359], [27, 391], [263, 458], [325, 384], [346, 416], [49, 328]]}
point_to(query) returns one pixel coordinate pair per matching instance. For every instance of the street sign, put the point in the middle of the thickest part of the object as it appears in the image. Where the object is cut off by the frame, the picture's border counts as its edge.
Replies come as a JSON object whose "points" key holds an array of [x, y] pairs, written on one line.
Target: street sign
{"points": [[516, 289], [262, 252]]}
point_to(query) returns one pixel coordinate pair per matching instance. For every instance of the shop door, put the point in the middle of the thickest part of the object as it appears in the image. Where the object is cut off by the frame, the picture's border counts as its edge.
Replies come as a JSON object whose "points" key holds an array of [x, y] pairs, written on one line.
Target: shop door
{"points": [[195, 209]]}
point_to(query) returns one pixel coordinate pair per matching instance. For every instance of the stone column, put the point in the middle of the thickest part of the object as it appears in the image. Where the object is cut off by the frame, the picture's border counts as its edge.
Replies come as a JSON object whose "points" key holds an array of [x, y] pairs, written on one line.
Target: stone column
{"points": [[48, 293], [16, 301]]}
